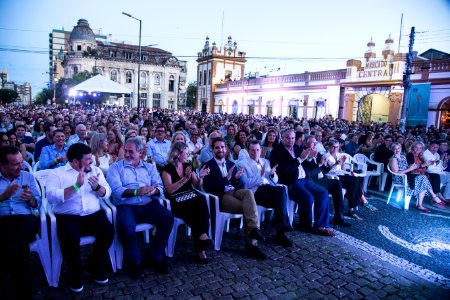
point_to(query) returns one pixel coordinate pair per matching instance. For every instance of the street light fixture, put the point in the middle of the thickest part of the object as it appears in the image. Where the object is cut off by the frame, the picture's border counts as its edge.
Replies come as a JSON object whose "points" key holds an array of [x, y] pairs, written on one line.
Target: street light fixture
{"points": [[139, 60]]}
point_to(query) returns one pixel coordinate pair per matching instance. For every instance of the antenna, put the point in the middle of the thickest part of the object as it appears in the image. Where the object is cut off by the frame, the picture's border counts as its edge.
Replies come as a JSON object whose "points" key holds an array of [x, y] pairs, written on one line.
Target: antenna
{"points": [[400, 37], [221, 36]]}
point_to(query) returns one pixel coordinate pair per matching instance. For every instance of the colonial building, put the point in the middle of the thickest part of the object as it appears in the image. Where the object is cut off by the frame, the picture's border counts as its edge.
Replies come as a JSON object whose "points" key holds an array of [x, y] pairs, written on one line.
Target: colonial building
{"points": [[162, 76], [368, 90]]}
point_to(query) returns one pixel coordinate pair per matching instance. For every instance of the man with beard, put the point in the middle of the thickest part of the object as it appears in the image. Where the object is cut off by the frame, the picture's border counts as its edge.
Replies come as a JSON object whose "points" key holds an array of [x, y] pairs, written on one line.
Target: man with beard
{"points": [[74, 190]]}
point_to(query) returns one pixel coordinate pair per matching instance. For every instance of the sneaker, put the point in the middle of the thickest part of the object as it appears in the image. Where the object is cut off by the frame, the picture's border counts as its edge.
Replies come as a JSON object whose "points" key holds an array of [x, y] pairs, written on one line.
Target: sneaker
{"points": [[76, 285], [282, 239], [255, 234], [341, 222], [99, 278], [254, 252]]}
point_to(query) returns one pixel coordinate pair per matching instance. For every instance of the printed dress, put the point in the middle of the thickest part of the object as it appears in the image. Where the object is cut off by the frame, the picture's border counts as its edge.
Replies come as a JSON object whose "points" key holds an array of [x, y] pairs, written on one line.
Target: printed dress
{"points": [[421, 182]]}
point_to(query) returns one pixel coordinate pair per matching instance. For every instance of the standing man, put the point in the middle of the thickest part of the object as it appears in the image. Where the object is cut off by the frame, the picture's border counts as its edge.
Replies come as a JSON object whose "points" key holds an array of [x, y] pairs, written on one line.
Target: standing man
{"points": [[135, 187], [75, 190], [18, 226], [54, 156], [49, 128], [261, 179], [225, 182], [159, 147], [305, 192]]}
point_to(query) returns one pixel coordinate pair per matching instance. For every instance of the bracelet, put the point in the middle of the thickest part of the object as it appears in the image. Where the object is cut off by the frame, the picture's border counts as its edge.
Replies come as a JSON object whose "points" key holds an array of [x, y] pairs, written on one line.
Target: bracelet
{"points": [[77, 188], [135, 192]]}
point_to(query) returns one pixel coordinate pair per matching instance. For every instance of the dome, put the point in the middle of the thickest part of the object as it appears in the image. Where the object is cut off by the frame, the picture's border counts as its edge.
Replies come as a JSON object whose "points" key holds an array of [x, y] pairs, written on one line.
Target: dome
{"points": [[82, 32]]}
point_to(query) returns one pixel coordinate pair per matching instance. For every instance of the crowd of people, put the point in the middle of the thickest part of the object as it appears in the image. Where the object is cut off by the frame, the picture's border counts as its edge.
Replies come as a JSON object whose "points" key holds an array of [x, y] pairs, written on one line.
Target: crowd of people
{"points": [[135, 157]]}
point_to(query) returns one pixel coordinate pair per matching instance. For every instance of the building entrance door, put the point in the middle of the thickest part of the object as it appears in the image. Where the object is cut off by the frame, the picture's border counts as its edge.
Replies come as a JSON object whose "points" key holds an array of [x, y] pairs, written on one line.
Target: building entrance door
{"points": [[373, 107]]}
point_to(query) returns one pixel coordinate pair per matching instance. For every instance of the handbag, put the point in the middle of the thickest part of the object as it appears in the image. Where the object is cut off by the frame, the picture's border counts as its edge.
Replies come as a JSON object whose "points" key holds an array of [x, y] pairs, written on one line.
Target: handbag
{"points": [[184, 195]]}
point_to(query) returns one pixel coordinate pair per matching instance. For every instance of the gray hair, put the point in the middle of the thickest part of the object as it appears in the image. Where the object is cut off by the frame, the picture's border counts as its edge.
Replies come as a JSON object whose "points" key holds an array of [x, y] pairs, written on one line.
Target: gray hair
{"points": [[137, 141], [289, 130], [96, 140]]}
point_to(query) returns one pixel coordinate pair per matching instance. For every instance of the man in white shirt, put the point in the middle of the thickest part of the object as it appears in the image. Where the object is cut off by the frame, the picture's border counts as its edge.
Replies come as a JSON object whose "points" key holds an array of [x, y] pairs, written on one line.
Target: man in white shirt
{"points": [[75, 190], [261, 179], [437, 169], [79, 136]]}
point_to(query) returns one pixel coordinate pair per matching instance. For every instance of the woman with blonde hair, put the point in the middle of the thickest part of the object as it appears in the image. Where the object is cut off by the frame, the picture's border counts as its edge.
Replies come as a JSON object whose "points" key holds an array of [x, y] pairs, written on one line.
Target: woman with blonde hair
{"points": [[187, 204], [99, 148], [178, 137]]}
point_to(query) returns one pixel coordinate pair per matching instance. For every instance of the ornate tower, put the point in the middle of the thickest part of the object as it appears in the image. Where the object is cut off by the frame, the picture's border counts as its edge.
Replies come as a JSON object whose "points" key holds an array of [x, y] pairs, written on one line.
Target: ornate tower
{"points": [[370, 53], [216, 66], [389, 50]]}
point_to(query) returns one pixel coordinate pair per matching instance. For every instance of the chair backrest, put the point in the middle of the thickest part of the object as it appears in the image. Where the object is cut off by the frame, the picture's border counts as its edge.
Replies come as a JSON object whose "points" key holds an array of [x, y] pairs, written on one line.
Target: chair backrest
{"points": [[372, 155], [36, 166], [402, 176], [30, 158], [361, 158], [41, 178], [27, 167]]}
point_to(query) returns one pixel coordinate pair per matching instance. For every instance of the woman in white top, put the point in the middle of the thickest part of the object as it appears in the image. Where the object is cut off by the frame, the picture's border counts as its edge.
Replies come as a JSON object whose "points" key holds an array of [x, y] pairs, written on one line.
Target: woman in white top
{"points": [[99, 147], [334, 161]]}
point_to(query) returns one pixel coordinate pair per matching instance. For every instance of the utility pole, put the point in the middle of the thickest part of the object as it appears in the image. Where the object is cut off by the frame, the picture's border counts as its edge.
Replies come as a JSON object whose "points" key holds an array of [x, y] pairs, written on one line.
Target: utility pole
{"points": [[407, 81]]}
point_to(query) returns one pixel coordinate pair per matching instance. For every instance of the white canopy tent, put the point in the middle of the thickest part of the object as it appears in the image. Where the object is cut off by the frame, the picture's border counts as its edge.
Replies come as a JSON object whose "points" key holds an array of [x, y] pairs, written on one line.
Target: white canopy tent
{"points": [[100, 84]]}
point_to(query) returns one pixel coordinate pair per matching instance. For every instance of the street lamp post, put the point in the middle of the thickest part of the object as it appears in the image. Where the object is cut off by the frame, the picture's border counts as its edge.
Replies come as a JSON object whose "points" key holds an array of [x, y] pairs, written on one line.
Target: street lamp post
{"points": [[139, 60]]}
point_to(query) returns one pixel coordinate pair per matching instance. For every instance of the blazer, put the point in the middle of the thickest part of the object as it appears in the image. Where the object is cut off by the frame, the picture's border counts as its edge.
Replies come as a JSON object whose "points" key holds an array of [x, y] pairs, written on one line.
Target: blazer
{"points": [[287, 165], [252, 176], [215, 183]]}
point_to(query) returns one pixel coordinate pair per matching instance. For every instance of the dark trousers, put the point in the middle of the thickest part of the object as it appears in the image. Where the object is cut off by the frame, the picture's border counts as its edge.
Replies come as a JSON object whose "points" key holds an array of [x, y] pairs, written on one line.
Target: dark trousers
{"points": [[276, 198], [435, 180], [354, 189], [16, 234], [194, 213], [334, 187], [71, 228], [305, 193], [128, 216]]}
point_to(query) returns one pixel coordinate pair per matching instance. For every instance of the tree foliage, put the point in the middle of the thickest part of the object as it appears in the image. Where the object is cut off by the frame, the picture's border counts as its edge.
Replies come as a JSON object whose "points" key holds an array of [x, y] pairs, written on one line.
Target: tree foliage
{"points": [[43, 96], [191, 93], [8, 96]]}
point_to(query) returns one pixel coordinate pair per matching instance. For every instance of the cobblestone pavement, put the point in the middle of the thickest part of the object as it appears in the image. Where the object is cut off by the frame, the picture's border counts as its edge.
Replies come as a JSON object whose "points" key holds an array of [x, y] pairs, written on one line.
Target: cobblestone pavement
{"points": [[315, 268]]}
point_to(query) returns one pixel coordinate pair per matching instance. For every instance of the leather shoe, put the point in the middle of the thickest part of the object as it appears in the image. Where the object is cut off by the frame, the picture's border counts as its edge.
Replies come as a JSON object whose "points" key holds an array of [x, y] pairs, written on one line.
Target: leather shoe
{"points": [[287, 228], [341, 222], [255, 252], [282, 239], [136, 271], [255, 234]]}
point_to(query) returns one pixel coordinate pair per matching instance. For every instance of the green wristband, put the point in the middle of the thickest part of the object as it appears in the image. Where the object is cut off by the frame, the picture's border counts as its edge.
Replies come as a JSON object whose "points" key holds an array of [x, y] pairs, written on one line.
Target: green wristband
{"points": [[76, 187], [135, 193]]}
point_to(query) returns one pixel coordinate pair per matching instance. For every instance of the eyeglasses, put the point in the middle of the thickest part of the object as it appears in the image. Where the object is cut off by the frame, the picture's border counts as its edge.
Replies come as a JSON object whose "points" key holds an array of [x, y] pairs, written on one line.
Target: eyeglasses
{"points": [[161, 130]]}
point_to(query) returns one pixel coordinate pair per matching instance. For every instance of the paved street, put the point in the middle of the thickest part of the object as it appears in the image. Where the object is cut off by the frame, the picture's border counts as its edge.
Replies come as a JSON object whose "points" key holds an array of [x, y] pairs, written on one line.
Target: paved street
{"points": [[363, 261]]}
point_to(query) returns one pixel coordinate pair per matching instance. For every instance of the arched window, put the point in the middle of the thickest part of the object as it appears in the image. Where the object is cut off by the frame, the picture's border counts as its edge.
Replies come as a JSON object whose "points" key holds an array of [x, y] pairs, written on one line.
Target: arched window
{"points": [[99, 71], [144, 79], [204, 77], [128, 77], [114, 75], [157, 79], [75, 70], [171, 83], [209, 77], [200, 77]]}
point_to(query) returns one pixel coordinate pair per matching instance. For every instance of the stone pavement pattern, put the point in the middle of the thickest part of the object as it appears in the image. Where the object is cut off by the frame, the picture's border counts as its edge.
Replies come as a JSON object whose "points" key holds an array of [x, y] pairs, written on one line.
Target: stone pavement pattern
{"points": [[318, 267]]}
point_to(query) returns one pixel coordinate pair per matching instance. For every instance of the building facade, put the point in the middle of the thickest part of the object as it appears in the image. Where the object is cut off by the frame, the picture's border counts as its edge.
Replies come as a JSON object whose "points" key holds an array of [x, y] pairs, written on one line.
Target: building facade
{"points": [[367, 90], [162, 75]]}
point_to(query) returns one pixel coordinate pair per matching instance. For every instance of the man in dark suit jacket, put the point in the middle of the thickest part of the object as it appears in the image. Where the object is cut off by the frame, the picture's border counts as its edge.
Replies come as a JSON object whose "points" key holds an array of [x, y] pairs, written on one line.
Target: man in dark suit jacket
{"points": [[225, 182], [305, 192], [333, 186]]}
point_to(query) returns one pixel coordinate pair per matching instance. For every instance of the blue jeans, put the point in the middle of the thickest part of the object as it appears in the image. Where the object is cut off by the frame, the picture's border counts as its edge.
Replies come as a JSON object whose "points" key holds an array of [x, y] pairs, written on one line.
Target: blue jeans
{"points": [[128, 216], [305, 193]]}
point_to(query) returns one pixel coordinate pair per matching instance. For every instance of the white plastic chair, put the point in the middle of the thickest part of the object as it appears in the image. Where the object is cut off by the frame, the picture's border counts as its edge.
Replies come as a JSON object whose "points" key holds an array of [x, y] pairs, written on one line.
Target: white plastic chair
{"points": [[381, 179], [27, 167], [41, 244], [361, 158], [118, 248], [36, 166], [30, 158], [401, 187]]}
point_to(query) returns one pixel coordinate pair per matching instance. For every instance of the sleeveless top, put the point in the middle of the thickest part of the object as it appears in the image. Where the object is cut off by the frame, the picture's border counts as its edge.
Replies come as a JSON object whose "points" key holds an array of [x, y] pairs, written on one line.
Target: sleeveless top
{"points": [[172, 171]]}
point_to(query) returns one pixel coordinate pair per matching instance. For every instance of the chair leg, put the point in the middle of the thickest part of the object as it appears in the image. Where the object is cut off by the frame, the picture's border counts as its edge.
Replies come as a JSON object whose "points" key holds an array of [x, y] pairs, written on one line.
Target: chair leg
{"points": [[119, 253], [390, 194], [290, 209], [112, 257], [383, 181], [220, 224], [365, 183]]}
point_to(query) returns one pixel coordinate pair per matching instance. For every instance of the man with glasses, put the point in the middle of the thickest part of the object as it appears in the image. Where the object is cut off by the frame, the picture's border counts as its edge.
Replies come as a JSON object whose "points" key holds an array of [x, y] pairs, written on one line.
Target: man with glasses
{"points": [[159, 147]]}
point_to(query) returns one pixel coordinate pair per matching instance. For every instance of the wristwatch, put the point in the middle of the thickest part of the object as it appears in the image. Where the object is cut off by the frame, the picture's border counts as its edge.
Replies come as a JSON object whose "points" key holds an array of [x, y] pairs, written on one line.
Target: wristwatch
{"points": [[97, 188]]}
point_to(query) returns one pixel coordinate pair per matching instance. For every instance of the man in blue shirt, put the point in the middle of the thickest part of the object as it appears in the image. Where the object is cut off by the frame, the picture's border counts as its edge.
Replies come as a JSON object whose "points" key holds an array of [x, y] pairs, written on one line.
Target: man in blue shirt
{"points": [[49, 128], [159, 147], [135, 186], [54, 156], [18, 226]]}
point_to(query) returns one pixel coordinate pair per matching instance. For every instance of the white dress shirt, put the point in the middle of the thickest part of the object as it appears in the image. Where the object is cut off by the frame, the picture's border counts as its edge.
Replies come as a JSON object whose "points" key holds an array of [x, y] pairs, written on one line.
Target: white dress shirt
{"points": [[83, 202]]}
